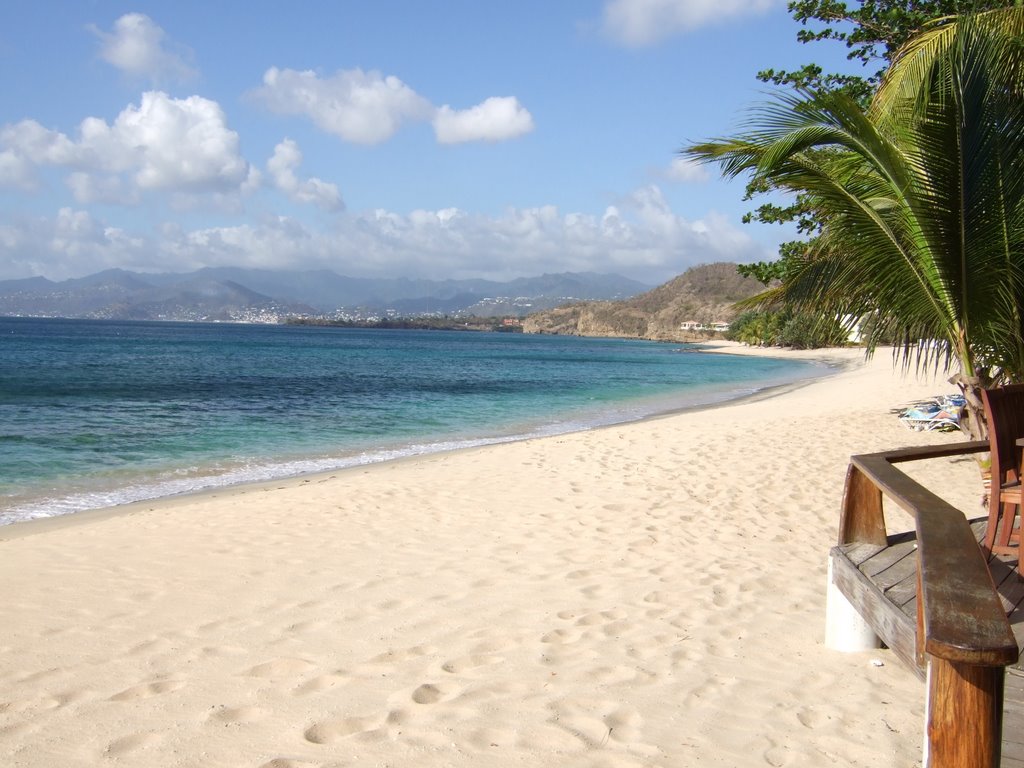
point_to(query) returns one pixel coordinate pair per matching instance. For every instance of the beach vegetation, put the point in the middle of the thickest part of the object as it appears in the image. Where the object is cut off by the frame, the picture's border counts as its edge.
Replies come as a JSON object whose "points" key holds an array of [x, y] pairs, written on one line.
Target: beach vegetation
{"points": [[785, 328], [918, 199], [872, 33]]}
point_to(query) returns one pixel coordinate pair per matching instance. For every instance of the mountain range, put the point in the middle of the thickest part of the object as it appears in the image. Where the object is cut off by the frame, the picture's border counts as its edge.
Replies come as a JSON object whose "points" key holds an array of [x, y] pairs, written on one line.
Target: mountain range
{"points": [[253, 295]]}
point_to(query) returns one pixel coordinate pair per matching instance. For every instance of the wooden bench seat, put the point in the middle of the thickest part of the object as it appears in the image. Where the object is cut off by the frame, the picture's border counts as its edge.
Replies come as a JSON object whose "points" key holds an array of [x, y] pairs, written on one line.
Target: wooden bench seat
{"points": [[951, 626]]}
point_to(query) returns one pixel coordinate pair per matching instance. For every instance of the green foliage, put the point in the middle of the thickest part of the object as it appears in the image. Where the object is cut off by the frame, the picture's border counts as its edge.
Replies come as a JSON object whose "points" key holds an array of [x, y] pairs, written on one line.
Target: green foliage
{"points": [[920, 199], [804, 330], [872, 31], [786, 328], [754, 327], [763, 271], [768, 272]]}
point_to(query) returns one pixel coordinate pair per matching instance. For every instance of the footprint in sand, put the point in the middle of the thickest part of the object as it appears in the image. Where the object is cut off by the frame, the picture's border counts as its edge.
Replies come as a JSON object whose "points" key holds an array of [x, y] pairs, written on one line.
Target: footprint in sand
{"points": [[561, 636], [469, 663], [131, 743], [660, 597], [153, 645], [600, 723], [602, 617], [306, 626], [431, 693], [329, 731], [776, 756], [809, 718], [427, 694], [237, 715], [394, 656], [393, 605], [280, 668], [148, 690], [320, 683]]}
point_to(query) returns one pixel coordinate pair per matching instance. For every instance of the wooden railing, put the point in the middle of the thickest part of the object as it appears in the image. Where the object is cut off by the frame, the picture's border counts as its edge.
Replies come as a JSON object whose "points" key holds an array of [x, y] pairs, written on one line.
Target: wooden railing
{"points": [[963, 636]]}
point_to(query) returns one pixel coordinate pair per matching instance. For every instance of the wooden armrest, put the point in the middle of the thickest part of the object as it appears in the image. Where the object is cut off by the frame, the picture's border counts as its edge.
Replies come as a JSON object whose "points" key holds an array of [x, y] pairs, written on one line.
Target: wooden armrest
{"points": [[963, 620], [919, 452]]}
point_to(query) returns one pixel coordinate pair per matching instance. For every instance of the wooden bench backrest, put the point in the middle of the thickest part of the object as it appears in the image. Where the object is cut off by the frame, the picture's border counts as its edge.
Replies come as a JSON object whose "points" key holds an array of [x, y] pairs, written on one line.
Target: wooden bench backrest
{"points": [[1004, 409]]}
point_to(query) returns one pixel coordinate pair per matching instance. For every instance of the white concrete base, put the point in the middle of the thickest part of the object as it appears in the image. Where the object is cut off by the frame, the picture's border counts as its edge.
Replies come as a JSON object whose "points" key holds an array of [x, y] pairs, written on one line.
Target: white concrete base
{"points": [[845, 630]]}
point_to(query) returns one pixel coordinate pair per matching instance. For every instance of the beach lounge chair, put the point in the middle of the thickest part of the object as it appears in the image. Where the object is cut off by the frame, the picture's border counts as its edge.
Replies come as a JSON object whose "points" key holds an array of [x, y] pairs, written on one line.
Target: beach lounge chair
{"points": [[939, 413], [1004, 409]]}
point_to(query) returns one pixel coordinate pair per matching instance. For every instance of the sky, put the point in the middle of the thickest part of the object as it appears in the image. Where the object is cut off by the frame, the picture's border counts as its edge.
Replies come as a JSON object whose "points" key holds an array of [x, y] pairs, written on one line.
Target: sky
{"points": [[396, 138]]}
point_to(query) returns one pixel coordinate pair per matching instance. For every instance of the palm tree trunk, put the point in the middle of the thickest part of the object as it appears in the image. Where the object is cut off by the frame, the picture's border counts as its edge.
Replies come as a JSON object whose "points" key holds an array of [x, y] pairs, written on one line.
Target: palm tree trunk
{"points": [[972, 421]]}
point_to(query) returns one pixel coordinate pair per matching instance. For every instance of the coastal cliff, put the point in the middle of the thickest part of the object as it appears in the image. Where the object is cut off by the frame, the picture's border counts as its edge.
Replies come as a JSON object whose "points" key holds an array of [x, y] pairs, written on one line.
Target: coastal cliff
{"points": [[705, 294]]}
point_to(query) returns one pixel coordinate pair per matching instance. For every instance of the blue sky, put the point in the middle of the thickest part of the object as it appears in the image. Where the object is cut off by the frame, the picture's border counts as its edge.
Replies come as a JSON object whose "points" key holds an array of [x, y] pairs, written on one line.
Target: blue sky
{"points": [[446, 139]]}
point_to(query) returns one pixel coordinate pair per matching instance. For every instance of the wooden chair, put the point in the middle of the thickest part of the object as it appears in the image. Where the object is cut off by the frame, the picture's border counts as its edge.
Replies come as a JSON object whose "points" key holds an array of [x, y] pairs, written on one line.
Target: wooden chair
{"points": [[1004, 408]]}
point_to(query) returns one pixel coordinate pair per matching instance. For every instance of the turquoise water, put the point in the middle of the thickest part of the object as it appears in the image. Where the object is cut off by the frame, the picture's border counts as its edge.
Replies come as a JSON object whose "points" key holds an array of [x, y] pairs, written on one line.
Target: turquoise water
{"points": [[98, 413]]}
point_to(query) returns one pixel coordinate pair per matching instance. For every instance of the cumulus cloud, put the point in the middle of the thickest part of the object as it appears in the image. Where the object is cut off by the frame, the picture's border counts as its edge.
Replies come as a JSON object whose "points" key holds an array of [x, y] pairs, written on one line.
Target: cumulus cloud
{"points": [[369, 107], [176, 142], [281, 168], [639, 236], [684, 170], [496, 119], [361, 107], [137, 46], [26, 145], [638, 23], [178, 145], [71, 243], [16, 171]]}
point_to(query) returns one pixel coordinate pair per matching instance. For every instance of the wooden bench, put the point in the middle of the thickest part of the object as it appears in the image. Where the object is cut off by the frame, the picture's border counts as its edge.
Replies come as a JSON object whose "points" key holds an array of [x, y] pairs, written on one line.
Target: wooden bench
{"points": [[960, 640]]}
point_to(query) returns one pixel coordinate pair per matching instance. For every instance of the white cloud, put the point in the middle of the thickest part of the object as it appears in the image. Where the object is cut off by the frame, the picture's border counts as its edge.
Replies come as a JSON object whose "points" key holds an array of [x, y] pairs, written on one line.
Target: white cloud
{"points": [[31, 140], [362, 107], [639, 236], [684, 170], [26, 145], [70, 244], [281, 168], [369, 107], [137, 47], [645, 22], [496, 119], [16, 171], [165, 144], [177, 143], [100, 188]]}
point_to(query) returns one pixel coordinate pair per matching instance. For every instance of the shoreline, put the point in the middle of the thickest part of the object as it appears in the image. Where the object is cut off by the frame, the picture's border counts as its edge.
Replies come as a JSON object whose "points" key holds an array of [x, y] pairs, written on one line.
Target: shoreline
{"points": [[836, 360], [644, 595]]}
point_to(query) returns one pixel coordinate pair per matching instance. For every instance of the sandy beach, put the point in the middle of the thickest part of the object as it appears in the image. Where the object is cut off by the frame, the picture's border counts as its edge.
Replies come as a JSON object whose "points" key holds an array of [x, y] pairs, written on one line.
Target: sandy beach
{"points": [[649, 594]]}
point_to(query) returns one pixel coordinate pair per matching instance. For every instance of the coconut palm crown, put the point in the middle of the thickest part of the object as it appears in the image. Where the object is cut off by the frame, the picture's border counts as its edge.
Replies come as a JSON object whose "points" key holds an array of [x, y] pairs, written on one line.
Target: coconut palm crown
{"points": [[920, 199]]}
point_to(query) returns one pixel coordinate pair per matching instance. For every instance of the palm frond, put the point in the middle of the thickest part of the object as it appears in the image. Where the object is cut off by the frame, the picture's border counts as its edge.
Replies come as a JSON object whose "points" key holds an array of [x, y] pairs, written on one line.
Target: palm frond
{"points": [[920, 199]]}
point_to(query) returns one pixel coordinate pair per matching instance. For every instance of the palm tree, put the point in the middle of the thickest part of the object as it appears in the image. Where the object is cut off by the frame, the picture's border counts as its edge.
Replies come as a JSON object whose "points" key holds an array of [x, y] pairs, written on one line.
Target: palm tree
{"points": [[920, 199]]}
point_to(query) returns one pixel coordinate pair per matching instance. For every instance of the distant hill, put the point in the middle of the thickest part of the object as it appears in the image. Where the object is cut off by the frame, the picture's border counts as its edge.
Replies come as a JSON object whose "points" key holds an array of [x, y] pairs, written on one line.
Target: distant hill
{"points": [[253, 295], [120, 295], [703, 294]]}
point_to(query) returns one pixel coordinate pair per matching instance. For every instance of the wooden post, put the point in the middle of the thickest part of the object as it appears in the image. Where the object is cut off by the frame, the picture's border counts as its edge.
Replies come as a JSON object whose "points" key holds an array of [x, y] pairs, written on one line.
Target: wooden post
{"points": [[861, 519], [963, 715]]}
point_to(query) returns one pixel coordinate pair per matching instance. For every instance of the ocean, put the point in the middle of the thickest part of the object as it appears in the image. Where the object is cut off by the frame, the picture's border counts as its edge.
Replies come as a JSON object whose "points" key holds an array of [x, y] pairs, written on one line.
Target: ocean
{"points": [[99, 413]]}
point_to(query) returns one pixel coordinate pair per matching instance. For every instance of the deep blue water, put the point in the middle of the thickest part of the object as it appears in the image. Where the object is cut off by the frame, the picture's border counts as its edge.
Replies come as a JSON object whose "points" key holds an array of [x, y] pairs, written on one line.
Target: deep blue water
{"points": [[97, 413]]}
